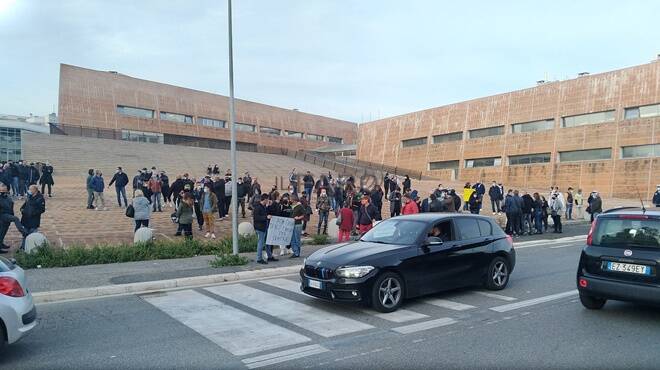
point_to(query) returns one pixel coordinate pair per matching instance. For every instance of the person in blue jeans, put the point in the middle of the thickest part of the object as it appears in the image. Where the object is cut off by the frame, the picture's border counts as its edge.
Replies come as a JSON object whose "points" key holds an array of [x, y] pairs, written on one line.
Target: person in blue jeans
{"points": [[260, 219], [537, 211], [298, 214]]}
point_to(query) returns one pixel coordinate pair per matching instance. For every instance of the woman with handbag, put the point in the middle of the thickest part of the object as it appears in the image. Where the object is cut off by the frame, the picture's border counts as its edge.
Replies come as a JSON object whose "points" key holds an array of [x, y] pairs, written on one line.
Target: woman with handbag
{"points": [[141, 210]]}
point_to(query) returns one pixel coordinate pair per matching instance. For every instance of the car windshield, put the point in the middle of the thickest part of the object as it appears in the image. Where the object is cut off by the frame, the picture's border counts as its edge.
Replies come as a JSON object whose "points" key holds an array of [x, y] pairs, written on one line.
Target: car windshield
{"points": [[627, 232], [395, 231]]}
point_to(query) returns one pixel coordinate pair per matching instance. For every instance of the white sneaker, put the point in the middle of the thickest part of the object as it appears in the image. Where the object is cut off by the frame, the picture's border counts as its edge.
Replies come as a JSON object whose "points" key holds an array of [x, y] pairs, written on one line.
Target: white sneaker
{"points": [[207, 235], [282, 251], [98, 209], [212, 236], [494, 213]]}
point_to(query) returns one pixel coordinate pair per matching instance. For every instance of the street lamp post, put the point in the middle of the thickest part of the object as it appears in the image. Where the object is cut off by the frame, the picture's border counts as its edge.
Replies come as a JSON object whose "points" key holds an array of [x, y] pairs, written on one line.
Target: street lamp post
{"points": [[232, 126]]}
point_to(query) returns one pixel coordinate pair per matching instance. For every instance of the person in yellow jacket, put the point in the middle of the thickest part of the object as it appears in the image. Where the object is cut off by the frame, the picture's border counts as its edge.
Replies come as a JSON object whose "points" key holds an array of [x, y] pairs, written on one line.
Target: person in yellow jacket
{"points": [[467, 193]]}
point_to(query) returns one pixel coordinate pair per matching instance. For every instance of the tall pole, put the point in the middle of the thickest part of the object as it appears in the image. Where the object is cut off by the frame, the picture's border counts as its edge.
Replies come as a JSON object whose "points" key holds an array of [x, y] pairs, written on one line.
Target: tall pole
{"points": [[232, 125]]}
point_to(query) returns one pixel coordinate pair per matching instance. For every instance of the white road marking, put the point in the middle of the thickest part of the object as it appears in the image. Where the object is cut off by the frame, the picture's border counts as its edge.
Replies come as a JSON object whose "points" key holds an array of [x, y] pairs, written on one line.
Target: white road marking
{"points": [[424, 325], [399, 315], [566, 245], [496, 296], [545, 241], [532, 302], [234, 330], [283, 356], [444, 303], [321, 322]]}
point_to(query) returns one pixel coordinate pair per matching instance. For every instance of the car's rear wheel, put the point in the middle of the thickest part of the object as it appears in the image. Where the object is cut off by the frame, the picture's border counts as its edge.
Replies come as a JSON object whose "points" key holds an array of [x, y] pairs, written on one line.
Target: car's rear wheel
{"points": [[592, 303], [497, 276], [387, 292]]}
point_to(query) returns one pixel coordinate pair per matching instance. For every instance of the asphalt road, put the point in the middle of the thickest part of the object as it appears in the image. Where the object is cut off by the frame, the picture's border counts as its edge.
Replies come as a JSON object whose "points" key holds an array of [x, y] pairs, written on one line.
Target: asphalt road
{"points": [[535, 322]]}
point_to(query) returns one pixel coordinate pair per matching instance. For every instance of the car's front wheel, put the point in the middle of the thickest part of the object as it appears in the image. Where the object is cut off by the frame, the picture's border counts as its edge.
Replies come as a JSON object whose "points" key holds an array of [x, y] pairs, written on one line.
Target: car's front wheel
{"points": [[388, 292], [497, 276], [592, 303]]}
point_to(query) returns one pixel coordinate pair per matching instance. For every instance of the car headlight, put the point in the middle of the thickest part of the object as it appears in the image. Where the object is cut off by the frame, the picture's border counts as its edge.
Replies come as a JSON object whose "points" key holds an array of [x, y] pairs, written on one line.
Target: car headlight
{"points": [[353, 271]]}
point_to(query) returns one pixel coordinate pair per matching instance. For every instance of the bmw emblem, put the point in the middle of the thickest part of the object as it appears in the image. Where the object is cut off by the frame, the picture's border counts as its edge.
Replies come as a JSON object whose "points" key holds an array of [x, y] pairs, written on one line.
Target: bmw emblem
{"points": [[627, 253]]}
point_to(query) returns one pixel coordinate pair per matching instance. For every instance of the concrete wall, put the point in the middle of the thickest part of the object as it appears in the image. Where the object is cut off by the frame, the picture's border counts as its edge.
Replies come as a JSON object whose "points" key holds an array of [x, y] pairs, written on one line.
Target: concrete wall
{"points": [[380, 141], [89, 98]]}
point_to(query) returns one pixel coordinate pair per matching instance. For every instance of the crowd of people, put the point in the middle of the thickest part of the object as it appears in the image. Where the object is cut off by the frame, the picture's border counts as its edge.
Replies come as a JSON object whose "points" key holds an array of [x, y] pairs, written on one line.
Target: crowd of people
{"points": [[18, 176]]}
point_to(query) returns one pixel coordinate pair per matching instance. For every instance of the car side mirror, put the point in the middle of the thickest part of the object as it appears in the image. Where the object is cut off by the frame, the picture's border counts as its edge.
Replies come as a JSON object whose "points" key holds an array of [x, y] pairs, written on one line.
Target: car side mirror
{"points": [[433, 240]]}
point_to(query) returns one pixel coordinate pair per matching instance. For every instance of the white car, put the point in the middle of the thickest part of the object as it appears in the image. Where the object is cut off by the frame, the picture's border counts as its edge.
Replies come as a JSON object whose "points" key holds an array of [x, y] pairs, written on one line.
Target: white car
{"points": [[17, 312]]}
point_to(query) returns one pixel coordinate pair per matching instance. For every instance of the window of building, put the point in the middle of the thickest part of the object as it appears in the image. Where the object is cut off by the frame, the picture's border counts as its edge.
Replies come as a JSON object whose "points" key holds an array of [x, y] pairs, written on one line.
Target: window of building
{"points": [[483, 162], [443, 165], [485, 132], [270, 131], [10, 144], [588, 119], [585, 155], [315, 137], [542, 125], [445, 138], [642, 112], [294, 134], [210, 122], [529, 159], [176, 117], [245, 127], [142, 137], [336, 140], [640, 151], [135, 112], [413, 142]]}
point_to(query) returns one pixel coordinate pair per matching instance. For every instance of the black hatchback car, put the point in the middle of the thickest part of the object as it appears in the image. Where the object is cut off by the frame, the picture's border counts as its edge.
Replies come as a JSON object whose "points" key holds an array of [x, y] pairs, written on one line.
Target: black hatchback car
{"points": [[410, 256], [621, 258]]}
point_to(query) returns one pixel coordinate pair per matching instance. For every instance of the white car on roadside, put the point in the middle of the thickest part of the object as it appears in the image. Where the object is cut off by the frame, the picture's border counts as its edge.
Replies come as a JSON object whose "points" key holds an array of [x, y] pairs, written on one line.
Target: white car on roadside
{"points": [[18, 314]]}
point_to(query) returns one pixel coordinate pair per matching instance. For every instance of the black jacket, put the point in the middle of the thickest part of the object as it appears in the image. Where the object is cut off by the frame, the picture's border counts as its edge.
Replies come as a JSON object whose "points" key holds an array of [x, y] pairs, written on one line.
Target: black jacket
{"points": [[527, 203], [119, 179], [31, 211], [23, 172], [33, 176], [260, 217], [367, 215], [47, 175], [494, 192], [656, 198], [6, 205], [219, 189], [242, 190], [435, 206]]}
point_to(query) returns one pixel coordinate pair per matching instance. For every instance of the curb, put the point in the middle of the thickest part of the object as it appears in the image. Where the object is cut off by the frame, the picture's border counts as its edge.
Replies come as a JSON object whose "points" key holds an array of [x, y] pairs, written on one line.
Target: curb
{"points": [[159, 285]]}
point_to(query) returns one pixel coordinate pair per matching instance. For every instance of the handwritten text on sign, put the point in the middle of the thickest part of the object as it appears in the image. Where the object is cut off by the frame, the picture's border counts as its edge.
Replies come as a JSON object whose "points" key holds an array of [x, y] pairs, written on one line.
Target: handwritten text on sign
{"points": [[280, 231]]}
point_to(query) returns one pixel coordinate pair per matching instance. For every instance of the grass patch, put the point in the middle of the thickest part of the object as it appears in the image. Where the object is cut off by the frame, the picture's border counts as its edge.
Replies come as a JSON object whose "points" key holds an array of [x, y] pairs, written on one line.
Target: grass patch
{"points": [[319, 239], [79, 255], [226, 259]]}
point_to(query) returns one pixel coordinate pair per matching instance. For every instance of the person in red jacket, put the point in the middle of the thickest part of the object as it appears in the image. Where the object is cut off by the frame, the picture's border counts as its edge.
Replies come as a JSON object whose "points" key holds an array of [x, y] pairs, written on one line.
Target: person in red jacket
{"points": [[346, 224], [409, 207]]}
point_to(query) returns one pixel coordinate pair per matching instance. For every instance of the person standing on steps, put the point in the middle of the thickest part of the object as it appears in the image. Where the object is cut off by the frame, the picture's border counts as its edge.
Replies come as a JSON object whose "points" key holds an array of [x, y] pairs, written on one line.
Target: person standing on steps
{"points": [[47, 179], [7, 217], [260, 219], [298, 214], [308, 183], [184, 215], [209, 205], [155, 187], [165, 189], [142, 210], [120, 179], [495, 197], [579, 203], [90, 189], [323, 206], [98, 185]]}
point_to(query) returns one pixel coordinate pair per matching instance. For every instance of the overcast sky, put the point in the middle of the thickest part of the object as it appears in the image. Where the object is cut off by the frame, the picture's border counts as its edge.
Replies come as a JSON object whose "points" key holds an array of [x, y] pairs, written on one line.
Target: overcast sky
{"points": [[352, 59]]}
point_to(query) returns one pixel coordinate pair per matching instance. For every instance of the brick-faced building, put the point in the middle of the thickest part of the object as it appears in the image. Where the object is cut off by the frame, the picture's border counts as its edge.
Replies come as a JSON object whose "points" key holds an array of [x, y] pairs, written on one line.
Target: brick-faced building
{"points": [[142, 110], [597, 131]]}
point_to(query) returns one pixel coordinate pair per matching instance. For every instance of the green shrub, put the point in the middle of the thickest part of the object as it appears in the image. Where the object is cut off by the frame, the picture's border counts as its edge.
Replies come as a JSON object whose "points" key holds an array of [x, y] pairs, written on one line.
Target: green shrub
{"points": [[319, 239], [79, 255], [226, 259]]}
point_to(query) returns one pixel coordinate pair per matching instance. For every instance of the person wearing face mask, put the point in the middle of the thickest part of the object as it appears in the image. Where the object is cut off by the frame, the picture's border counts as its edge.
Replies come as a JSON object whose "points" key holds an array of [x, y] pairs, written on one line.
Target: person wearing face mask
{"points": [[209, 205], [47, 179], [98, 186], [323, 206], [31, 211], [197, 194], [120, 179], [656, 196], [7, 217], [495, 196], [242, 190]]}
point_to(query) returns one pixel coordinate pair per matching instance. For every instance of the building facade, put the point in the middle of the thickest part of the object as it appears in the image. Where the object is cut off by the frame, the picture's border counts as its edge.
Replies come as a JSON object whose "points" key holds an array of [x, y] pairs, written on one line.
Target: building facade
{"points": [[11, 133], [154, 112], [595, 132]]}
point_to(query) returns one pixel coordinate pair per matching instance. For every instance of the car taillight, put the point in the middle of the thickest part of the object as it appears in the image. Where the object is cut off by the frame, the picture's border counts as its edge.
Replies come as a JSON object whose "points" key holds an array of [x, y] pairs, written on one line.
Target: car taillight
{"points": [[634, 217], [583, 283], [509, 239], [590, 237], [10, 287]]}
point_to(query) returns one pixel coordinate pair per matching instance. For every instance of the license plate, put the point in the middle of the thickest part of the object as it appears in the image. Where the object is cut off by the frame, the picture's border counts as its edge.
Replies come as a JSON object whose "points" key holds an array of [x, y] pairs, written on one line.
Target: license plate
{"points": [[629, 267], [314, 284]]}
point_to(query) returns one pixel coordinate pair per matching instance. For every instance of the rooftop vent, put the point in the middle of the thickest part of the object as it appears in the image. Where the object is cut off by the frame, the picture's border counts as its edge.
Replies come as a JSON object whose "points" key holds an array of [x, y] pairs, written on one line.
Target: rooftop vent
{"points": [[113, 72], [541, 82], [583, 74]]}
